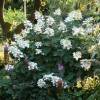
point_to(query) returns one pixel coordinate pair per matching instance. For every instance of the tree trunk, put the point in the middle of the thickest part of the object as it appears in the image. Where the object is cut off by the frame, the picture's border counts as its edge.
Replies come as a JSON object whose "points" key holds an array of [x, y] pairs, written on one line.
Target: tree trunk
{"points": [[1, 11]]}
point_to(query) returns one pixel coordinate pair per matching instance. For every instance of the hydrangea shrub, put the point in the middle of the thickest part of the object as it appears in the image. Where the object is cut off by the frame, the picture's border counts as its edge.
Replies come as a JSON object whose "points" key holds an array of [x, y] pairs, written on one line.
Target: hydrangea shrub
{"points": [[51, 55]]}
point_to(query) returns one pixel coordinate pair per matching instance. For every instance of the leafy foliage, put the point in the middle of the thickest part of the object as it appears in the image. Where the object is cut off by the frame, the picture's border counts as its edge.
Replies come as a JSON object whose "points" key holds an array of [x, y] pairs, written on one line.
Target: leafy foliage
{"points": [[14, 17], [53, 45]]}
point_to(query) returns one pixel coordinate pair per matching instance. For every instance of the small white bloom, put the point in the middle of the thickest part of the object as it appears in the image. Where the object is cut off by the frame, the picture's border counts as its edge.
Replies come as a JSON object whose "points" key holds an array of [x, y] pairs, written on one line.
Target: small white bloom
{"points": [[17, 37], [52, 78], [88, 21], [89, 30], [50, 21], [38, 44], [21, 42], [77, 55], [49, 31], [28, 25], [25, 32], [9, 67], [78, 30], [47, 76], [55, 80], [68, 19], [74, 15], [38, 15], [32, 66], [62, 27], [41, 83], [66, 44], [41, 23], [15, 52], [57, 12], [37, 29], [85, 63], [38, 51]]}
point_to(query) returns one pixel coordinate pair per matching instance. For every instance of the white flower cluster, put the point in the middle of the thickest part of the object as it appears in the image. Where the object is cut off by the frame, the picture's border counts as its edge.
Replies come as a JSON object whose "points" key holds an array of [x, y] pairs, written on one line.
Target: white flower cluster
{"points": [[85, 63], [9, 67], [38, 28], [74, 15], [88, 21], [38, 44], [32, 66], [77, 55], [38, 50], [78, 30], [49, 31], [50, 77], [38, 15], [50, 21], [15, 52], [57, 12], [44, 24], [89, 29], [66, 43], [62, 27], [28, 26], [21, 42], [41, 83]]}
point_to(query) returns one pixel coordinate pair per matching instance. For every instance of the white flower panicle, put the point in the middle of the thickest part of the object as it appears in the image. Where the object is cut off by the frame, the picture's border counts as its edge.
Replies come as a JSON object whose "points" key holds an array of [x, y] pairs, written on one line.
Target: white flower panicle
{"points": [[9, 67], [62, 27], [66, 43], [50, 21], [49, 77], [15, 52], [18, 37], [37, 29], [74, 15], [38, 51], [41, 23], [49, 31], [85, 63], [52, 78], [38, 15], [77, 55], [78, 30], [88, 21], [24, 32], [21, 42], [41, 83], [38, 44], [89, 29], [28, 25], [57, 12], [32, 65]]}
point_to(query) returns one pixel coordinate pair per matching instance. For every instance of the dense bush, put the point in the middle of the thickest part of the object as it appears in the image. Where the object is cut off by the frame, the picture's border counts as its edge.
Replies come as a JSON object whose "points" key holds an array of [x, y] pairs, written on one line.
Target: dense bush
{"points": [[54, 59]]}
